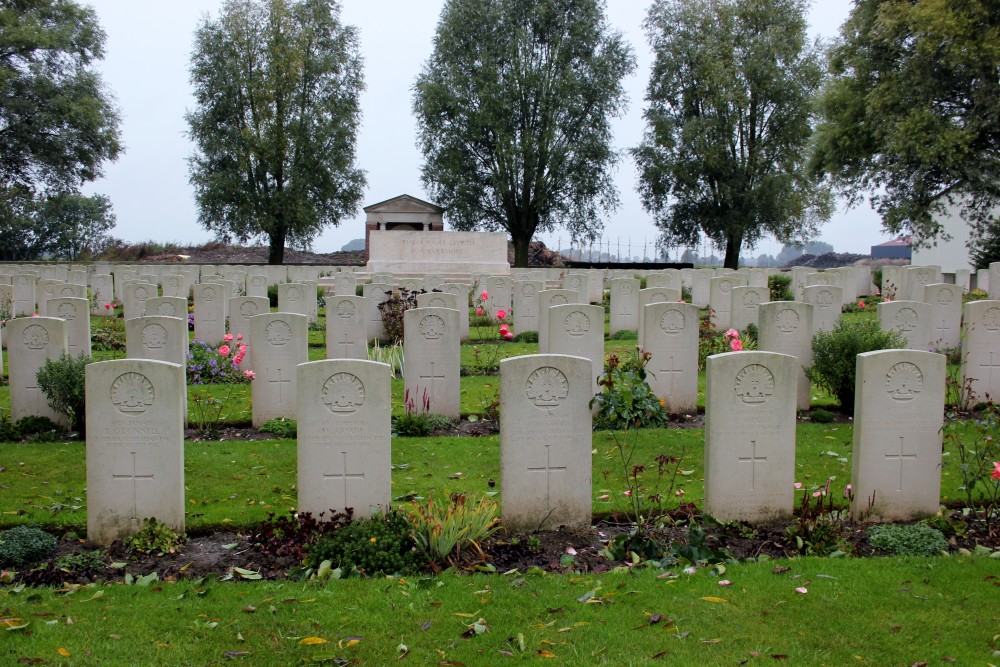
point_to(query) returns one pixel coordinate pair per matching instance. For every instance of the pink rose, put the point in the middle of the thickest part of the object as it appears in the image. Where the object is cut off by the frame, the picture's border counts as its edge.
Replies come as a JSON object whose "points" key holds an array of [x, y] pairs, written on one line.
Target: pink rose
{"points": [[485, 295], [224, 350], [107, 306], [508, 336], [732, 333], [249, 375], [228, 337], [504, 328], [736, 344], [501, 314], [996, 470], [239, 336], [35, 315], [479, 311], [861, 304]]}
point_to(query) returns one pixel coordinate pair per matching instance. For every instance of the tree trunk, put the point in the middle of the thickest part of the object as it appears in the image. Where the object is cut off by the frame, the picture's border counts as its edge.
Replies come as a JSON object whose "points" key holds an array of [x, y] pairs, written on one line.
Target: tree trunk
{"points": [[734, 241], [521, 247], [276, 251]]}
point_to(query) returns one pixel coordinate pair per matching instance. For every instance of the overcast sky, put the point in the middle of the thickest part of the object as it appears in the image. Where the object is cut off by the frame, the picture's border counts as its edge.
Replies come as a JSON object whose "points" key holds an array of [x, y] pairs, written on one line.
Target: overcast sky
{"points": [[146, 67]]}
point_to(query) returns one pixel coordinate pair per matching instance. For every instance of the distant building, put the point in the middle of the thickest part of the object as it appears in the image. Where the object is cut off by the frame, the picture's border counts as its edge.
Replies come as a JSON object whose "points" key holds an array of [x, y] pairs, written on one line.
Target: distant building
{"points": [[894, 249], [402, 213]]}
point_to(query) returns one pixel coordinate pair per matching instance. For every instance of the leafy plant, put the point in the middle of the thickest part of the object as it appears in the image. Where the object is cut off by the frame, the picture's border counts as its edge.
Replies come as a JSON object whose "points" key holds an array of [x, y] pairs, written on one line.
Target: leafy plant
{"points": [[526, 337], [63, 381], [217, 365], [907, 539], [626, 400], [39, 429], [24, 545], [978, 458], [388, 354], [443, 530], [8, 430], [835, 355], [624, 334], [281, 427], [489, 398], [821, 416], [780, 287], [285, 539], [382, 544], [391, 311], [107, 334], [414, 423], [207, 408], [83, 562], [821, 527], [154, 537]]}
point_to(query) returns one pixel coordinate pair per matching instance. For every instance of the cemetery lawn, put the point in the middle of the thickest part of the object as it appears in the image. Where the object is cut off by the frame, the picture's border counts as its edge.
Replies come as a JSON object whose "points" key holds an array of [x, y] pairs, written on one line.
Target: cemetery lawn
{"points": [[877, 611]]}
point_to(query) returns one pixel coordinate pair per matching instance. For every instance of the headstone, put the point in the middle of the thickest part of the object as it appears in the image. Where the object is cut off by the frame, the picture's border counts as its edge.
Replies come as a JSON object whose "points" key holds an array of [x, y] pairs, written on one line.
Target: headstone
{"points": [[241, 309], [456, 253], [346, 328], [670, 278], [891, 287], [345, 284], [411, 284], [433, 365], [102, 291], [135, 296], [624, 314], [437, 300], [898, 413], [910, 318], [981, 350], [994, 281], [745, 302], [701, 287], [671, 337], [157, 337], [45, 289], [461, 292], [30, 341], [209, 312], [946, 315], [526, 302], [721, 300], [433, 281], [279, 345], [501, 295], [75, 311], [826, 301], [577, 329], [168, 306], [293, 298], [176, 285], [750, 436], [786, 327], [653, 295], [344, 436], [24, 294], [545, 442], [918, 277], [135, 447], [579, 283], [374, 294], [547, 299]]}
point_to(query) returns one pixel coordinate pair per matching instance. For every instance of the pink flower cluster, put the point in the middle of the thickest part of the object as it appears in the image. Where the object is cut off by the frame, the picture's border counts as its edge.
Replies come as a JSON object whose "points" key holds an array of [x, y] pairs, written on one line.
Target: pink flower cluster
{"points": [[735, 344], [996, 470], [241, 349]]}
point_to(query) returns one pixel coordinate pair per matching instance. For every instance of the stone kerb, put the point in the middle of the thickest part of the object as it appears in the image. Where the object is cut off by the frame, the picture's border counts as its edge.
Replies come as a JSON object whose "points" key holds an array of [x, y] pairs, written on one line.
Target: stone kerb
{"points": [[898, 413], [433, 364], [135, 446], [346, 327], [981, 350], [750, 436], [344, 431], [671, 337], [279, 346], [545, 442]]}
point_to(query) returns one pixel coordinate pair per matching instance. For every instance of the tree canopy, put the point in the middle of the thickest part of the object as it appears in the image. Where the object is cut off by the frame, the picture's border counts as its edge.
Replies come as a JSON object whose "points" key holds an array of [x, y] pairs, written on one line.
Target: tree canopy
{"points": [[58, 225], [513, 111], [58, 122], [728, 121], [910, 113], [277, 85]]}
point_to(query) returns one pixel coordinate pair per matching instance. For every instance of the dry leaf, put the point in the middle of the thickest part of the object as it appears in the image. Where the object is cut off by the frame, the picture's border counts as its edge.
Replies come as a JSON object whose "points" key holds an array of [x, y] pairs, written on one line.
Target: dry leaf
{"points": [[312, 641]]}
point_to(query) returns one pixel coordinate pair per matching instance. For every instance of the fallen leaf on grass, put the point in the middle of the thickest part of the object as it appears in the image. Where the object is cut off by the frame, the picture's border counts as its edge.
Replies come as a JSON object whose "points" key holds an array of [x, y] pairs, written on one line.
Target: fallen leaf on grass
{"points": [[660, 655], [779, 656], [63, 652], [348, 642], [425, 626], [232, 655], [710, 641], [713, 599], [312, 641], [780, 570], [802, 589], [546, 653]]}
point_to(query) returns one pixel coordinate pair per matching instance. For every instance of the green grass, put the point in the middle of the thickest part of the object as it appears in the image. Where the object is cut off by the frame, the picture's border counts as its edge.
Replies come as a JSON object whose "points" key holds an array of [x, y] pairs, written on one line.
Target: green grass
{"points": [[892, 611], [239, 483]]}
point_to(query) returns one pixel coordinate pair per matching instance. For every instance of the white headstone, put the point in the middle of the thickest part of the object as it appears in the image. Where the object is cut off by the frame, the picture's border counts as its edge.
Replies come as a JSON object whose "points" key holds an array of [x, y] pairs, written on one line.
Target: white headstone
{"points": [[826, 301], [135, 447], [158, 338], [344, 436], [993, 282], [501, 297], [135, 296], [294, 298], [374, 294], [30, 341], [433, 365], [547, 299], [279, 345], [168, 306], [624, 314], [545, 442], [946, 315], [745, 302], [750, 436], [209, 312], [102, 291], [526, 303], [981, 350], [653, 295], [24, 294], [346, 328], [671, 337], [786, 327], [461, 292], [76, 312], [898, 412], [721, 299], [577, 329], [910, 318]]}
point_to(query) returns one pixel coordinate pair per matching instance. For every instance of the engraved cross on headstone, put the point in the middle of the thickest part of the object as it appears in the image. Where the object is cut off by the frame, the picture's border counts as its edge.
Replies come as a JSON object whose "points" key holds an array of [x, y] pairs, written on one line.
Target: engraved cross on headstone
{"points": [[548, 469], [901, 457], [134, 477], [433, 378], [279, 382], [990, 367], [752, 460], [670, 372], [347, 341], [344, 475]]}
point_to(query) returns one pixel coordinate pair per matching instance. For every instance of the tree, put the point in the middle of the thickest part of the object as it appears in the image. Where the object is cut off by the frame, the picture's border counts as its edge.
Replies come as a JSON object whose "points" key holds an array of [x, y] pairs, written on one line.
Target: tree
{"points": [[277, 85], [58, 225], [728, 122], [513, 112], [58, 122], [909, 114]]}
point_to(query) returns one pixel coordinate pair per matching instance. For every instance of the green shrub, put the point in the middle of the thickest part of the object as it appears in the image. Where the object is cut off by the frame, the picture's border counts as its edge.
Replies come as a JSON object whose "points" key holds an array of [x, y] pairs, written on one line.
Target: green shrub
{"points": [[64, 383], [821, 416], [107, 334], [8, 430], [907, 540], [39, 429], [526, 337], [25, 545], [391, 311], [155, 536], [272, 295], [419, 424], [626, 400], [442, 530], [835, 355], [86, 561], [780, 286], [624, 334], [281, 427], [877, 279], [382, 544], [208, 365]]}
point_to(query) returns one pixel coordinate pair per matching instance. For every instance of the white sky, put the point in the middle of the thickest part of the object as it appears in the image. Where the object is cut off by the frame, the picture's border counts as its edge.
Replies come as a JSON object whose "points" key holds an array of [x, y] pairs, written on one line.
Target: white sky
{"points": [[146, 67]]}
